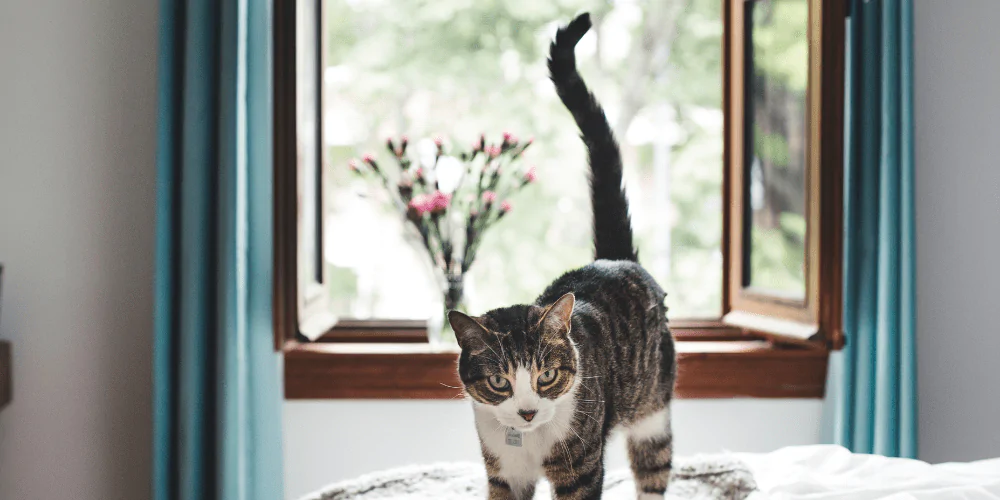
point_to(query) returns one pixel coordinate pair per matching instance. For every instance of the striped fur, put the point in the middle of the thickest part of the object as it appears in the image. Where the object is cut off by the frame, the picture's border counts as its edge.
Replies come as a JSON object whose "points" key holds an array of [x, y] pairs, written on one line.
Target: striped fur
{"points": [[591, 354], [612, 224]]}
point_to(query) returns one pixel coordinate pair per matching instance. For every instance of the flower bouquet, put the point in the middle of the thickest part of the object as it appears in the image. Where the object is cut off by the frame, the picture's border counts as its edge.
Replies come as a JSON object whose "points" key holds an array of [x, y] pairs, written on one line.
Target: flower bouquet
{"points": [[451, 198]]}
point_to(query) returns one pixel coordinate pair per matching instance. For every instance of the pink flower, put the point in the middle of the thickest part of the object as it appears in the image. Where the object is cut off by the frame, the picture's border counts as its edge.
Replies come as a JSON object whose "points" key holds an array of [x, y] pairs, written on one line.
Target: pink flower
{"points": [[439, 202], [489, 197], [353, 164], [421, 203], [506, 206], [439, 141], [530, 175], [370, 160], [416, 209], [507, 137], [419, 174], [493, 151]]}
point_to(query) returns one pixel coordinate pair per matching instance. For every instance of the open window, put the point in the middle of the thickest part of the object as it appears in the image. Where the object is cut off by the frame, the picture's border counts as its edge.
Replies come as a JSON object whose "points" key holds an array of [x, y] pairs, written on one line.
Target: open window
{"points": [[784, 157], [302, 280], [730, 117]]}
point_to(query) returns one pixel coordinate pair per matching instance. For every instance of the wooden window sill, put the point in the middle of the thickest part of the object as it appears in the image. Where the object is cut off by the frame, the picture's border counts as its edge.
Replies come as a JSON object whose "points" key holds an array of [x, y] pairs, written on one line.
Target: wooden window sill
{"points": [[706, 369], [395, 331]]}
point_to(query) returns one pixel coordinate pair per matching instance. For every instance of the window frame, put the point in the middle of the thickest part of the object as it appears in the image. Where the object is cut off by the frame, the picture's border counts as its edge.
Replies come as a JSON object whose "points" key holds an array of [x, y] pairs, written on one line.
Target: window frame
{"points": [[300, 313], [330, 359], [816, 320]]}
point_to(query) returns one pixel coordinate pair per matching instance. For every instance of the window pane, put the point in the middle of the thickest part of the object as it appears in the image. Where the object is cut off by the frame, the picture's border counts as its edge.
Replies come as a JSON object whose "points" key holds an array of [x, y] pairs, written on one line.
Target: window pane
{"points": [[307, 95], [457, 68], [777, 65]]}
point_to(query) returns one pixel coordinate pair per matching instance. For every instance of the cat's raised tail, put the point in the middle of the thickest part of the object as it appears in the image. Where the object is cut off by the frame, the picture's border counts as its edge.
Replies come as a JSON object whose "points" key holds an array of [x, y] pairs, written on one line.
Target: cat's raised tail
{"points": [[612, 224]]}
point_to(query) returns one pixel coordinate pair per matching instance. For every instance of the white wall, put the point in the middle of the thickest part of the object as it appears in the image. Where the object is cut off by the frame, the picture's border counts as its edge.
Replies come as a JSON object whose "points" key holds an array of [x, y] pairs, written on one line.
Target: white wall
{"points": [[957, 80], [77, 137], [328, 441]]}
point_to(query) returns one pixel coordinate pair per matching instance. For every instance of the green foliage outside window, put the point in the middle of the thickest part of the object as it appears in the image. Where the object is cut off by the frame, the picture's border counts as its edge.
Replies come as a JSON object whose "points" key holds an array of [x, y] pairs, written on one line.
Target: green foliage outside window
{"points": [[457, 68]]}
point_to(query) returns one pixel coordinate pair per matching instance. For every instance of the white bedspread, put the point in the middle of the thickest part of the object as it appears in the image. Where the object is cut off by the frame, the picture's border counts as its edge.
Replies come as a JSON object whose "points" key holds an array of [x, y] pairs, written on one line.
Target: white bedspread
{"points": [[818, 472], [824, 472]]}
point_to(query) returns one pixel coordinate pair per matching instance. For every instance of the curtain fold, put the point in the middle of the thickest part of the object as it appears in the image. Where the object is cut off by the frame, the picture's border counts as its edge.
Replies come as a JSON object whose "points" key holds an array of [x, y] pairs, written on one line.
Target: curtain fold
{"points": [[217, 382], [873, 380]]}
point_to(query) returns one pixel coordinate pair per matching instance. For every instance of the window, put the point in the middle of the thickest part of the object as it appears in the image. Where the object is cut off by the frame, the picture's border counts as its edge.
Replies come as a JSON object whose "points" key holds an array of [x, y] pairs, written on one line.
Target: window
{"points": [[718, 105], [450, 70], [784, 159]]}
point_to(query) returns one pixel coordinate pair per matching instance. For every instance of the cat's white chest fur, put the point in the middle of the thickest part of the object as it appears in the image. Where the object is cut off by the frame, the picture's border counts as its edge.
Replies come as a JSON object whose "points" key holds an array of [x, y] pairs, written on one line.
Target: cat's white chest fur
{"points": [[522, 465]]}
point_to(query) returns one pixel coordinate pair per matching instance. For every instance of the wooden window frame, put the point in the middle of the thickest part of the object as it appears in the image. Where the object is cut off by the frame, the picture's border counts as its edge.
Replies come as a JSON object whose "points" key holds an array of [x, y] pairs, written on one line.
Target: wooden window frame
{"points": [[300, 312], [719, 358], [814, 321]]}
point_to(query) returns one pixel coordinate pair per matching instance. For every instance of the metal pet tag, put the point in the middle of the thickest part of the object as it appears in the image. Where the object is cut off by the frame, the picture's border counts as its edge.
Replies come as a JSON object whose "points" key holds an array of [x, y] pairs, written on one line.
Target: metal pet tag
{"points": [[513, 437]]}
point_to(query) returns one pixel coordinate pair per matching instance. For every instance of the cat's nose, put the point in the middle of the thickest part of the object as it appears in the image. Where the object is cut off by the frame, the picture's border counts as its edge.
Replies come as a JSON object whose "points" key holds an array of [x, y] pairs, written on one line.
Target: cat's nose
{"points": [[527, 415]]}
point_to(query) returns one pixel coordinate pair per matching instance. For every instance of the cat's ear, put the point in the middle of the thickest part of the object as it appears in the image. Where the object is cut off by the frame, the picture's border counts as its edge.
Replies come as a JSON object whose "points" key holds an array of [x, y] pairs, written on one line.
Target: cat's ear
{"points": [[558, 318], [470, 334]]}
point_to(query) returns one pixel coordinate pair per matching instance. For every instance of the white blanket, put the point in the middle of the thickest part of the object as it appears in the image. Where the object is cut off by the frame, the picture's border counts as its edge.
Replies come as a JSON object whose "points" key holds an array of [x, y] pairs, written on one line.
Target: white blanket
{"points": [[824, 472], [818, 472], [701, 477]]}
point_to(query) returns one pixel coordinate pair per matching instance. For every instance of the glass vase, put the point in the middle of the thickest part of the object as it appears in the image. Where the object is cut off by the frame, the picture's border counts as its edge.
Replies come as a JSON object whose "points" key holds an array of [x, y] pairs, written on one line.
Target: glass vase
{"points": [[439, 331]]}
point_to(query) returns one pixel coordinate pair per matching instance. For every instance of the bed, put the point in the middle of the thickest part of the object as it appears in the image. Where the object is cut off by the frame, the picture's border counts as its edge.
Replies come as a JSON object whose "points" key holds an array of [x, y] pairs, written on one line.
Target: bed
{"points": [[818, 472]]}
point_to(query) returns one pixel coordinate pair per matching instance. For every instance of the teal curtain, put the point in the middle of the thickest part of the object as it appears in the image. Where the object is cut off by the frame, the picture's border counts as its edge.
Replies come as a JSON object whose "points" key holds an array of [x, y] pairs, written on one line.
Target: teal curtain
{"points": [[217, 386], [872, 382]]}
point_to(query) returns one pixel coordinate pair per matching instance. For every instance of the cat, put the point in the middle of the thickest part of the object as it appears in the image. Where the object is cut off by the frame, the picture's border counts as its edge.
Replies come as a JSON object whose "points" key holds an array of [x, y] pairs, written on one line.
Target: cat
{"points": [[550, 380]]}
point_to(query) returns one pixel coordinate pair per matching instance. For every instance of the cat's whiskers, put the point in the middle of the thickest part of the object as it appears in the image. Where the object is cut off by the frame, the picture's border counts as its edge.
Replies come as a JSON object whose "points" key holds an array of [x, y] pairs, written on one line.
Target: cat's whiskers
{"points": [[587, 387], [494, 353], [493, 359], [497, 361], [500, 343], [582, 442], [569, 458], [577, 410], [500, 425], [541, 357], [569, 427]]}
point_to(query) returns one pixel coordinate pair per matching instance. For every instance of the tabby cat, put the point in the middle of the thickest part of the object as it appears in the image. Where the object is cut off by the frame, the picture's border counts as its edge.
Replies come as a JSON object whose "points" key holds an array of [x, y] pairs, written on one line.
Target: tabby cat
{"points": [[550, 380]]}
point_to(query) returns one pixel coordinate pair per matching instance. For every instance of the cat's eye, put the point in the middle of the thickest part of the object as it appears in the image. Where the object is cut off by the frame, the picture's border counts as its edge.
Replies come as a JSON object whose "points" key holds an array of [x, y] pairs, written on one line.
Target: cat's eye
{"points": [[547, 377], [499, 383]]}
